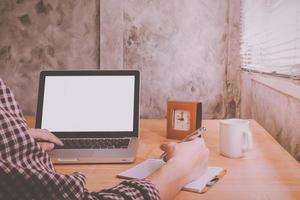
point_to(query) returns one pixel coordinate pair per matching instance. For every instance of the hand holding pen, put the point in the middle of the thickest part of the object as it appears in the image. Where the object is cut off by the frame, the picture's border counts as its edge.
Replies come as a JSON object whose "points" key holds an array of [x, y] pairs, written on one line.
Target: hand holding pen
{"points": [[187, 160], [196, 134]]}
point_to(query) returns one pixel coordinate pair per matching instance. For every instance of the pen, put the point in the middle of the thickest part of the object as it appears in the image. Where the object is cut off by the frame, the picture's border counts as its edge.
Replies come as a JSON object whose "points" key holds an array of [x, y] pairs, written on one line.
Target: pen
{"points": [[193, 135]]}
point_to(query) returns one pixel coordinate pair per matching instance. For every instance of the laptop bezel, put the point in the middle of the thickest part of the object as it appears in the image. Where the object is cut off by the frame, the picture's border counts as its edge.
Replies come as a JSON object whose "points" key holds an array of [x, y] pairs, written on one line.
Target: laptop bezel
{"points": [[92, 134]]}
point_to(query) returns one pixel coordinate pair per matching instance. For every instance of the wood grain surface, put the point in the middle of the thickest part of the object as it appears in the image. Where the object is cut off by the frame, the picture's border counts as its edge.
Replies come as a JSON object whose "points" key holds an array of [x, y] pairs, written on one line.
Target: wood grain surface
{"points": [[266, 172]]}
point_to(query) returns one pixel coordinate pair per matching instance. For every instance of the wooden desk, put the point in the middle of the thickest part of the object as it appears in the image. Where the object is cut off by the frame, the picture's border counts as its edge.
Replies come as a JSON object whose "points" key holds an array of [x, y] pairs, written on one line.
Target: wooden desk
{"points": [[267, 172]]}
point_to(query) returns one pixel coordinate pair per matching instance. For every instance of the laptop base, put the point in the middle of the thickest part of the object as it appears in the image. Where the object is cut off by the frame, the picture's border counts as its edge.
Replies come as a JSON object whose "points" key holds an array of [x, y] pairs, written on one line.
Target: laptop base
{"points": [[74, 156]]}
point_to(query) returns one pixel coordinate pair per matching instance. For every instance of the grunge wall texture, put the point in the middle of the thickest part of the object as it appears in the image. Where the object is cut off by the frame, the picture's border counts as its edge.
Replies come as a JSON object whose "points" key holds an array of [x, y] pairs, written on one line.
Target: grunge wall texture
{"points": [[184, 48]]}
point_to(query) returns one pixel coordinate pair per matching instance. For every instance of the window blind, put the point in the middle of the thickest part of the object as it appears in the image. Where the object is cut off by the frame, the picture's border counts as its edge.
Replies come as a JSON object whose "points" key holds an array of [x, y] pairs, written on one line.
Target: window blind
{"points": [[270, 36]]}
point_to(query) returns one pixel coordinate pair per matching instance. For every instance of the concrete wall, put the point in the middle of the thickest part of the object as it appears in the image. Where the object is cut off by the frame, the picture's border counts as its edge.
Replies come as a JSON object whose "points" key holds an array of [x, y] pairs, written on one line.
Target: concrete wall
{"points": [[182, 49], [276, 111], [180, 45], [185, 49], [45, 34]]}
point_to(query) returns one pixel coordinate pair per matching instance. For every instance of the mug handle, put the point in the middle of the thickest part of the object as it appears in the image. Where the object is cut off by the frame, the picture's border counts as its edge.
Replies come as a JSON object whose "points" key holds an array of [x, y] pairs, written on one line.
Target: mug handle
{"points": [[248, 141]]}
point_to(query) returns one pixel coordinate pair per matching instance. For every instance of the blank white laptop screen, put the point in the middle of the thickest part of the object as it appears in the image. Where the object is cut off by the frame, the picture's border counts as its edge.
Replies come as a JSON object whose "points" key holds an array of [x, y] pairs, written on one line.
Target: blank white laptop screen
{"points": [[88, 103]]}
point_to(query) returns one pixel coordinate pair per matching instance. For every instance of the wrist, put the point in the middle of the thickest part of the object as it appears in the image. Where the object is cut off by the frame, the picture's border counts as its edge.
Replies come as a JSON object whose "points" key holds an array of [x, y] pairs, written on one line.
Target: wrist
{"points": [[180, 170], [173, 175]]}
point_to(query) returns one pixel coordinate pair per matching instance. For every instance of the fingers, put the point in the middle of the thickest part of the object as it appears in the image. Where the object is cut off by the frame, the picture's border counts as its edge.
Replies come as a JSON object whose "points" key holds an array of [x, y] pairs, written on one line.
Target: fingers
{"points": [[172, 149], [169, 150], [167, 156], [46, 146], [45, 135], [168, 146]]}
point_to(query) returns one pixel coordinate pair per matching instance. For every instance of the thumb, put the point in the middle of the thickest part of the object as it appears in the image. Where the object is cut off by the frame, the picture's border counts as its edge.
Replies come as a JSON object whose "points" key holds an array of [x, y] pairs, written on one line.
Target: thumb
{"points": [[168, 146]]}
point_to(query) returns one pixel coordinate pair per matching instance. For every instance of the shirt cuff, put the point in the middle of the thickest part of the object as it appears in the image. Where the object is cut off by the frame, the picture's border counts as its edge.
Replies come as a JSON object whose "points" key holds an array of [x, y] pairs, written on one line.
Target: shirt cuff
{"points": [[146, 188]]}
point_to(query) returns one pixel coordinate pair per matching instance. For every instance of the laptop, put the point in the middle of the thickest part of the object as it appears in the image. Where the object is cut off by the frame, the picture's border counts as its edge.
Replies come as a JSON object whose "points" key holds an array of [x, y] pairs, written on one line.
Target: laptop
{"points": [[94, 113]]}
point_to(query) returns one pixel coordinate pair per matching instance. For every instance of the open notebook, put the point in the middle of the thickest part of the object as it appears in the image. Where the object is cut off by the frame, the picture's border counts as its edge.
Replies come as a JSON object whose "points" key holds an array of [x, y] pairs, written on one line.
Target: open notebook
{"points": [[201, 185]]}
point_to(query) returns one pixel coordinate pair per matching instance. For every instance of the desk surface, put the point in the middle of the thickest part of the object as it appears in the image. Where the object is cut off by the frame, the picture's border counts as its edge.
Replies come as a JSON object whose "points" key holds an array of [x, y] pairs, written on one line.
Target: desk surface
{"points": [[267, 172]]}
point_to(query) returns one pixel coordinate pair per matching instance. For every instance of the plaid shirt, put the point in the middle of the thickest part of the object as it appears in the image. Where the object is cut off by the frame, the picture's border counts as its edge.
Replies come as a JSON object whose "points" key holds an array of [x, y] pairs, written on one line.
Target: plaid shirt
{"points": [[26, 171]]}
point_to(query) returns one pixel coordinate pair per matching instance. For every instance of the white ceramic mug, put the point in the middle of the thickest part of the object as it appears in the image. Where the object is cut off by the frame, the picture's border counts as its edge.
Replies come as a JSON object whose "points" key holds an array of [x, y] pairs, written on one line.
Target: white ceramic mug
{"points": [[235, 137]]}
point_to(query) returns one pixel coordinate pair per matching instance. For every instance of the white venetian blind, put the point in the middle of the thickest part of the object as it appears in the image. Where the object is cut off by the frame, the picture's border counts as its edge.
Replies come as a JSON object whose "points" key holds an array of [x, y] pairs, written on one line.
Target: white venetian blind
{"points": [[270, 36]]}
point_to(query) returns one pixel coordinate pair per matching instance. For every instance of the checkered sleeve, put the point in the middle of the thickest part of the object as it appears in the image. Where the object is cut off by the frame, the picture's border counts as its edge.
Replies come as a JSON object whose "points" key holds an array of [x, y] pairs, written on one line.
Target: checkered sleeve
{"points": [[26, 171], [137, 189], [19, 182], [8, 102]]}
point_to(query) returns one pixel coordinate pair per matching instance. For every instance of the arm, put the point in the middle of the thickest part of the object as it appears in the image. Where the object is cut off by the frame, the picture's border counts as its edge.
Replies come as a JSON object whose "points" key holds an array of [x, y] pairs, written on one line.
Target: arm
{"points": [[185, 162], [17, 182]]}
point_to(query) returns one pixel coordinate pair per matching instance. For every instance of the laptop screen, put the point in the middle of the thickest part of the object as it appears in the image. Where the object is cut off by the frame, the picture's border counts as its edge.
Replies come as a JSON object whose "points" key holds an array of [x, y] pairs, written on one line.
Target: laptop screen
{"points": [[88, 103]]}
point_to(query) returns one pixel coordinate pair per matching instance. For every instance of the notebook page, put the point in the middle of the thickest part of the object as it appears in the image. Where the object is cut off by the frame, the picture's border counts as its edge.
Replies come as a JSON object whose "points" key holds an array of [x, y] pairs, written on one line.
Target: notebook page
{"points": [[199, 184], [143, 169], [147, 167]]}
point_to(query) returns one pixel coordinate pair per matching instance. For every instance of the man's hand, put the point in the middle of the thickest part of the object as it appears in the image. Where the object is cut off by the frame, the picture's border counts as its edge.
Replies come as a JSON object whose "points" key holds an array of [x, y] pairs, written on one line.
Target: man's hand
{"points": [[192, 157], [186, 162], [45, 138]]}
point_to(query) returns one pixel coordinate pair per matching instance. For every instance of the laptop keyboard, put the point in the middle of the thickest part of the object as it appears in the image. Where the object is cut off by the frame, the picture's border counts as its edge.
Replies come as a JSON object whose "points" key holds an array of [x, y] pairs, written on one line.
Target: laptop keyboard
{"points": [[95, 143]]}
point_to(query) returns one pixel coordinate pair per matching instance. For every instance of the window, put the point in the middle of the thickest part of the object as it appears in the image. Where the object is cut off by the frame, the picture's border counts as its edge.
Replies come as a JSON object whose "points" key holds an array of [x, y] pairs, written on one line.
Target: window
{"points": [[270, 37]]}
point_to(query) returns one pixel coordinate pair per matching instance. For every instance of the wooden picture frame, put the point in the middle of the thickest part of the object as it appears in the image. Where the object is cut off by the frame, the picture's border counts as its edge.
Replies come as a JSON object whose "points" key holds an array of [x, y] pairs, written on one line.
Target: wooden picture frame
{"points": [[183, 117]]}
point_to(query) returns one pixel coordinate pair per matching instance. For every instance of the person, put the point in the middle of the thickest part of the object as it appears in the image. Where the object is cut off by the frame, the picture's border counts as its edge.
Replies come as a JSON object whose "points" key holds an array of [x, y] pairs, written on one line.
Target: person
{"points": [[26, 172]]}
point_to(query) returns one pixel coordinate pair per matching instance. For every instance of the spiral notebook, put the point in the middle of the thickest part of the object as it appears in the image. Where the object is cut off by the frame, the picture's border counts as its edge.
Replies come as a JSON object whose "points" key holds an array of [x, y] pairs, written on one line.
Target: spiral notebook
{"points": [[201, 185]]}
